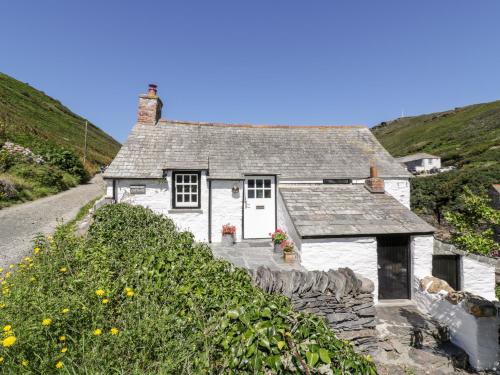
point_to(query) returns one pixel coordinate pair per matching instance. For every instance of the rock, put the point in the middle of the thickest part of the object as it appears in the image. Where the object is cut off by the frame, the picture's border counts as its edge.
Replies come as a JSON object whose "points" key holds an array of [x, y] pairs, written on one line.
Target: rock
{"points": [[478, 306], [434, 285]]}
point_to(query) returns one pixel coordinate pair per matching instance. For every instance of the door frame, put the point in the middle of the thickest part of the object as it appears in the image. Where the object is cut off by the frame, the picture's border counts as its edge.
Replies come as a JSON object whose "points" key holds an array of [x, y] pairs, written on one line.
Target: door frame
{"points": [[243, 203], [409, 290]]}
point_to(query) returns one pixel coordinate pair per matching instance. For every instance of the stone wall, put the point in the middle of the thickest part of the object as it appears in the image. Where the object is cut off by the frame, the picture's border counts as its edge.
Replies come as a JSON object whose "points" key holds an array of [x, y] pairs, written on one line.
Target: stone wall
{"points": [[344, 299]]}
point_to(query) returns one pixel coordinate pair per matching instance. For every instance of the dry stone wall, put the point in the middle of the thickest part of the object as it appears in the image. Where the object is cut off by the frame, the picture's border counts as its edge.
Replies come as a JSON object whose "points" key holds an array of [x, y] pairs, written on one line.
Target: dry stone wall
{"points": [[343, 298]]}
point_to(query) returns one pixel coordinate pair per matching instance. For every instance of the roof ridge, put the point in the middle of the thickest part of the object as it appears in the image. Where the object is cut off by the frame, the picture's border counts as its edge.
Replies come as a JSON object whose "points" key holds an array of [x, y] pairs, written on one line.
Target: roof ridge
{"points": [[195, 123]]}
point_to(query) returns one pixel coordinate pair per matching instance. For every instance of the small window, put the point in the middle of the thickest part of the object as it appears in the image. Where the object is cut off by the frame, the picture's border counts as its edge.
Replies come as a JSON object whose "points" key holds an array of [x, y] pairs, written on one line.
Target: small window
{"points": [[259, 188], [186, 190]]}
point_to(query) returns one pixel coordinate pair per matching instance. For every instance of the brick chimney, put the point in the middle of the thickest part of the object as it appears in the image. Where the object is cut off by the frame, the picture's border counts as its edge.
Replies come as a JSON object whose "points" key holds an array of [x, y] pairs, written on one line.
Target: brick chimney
{"points": [[149, 106], [374, 184]]}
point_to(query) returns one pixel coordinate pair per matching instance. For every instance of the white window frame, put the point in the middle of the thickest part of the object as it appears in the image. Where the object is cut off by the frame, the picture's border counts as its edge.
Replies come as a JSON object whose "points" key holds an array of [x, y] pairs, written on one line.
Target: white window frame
{"points": [[184, 189]]}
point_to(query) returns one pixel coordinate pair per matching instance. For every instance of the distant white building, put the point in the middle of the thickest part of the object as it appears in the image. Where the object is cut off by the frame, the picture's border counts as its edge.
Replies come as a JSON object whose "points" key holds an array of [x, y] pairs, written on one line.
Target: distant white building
{"points": [[421, 162]]}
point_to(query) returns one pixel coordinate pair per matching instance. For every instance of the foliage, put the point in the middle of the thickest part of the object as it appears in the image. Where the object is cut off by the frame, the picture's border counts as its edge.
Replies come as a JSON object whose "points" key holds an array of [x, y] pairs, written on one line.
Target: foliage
{"points": [[473, 223], [68, 162], [497, 291], [465, 137], [136, 296], [32, 119], [287, 246], [278, 236]]}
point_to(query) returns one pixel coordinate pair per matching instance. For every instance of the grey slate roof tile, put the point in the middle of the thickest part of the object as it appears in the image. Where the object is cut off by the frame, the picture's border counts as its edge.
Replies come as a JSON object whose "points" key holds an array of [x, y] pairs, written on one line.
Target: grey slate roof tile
{"points": [[347, 210], [231, 151]]}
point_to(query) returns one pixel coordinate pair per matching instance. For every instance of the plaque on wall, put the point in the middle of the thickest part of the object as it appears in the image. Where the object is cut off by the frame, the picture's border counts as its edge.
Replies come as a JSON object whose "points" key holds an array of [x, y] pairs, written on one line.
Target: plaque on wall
{"points": [[137, 189]]}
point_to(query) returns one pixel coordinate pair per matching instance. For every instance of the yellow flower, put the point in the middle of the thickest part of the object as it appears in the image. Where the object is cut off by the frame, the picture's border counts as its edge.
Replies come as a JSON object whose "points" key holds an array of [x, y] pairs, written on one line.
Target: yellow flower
{"points": [[7, 328], [59, 364], [1, 269], [9, 341], [65, 311], [1, 360], [63, 269], [27, 259], [46, 322], [25, 362], [11, 266], [62, 338], [7, 275], [33, 279], [114, 331], [105, 301], [64, 350], [36, 250], [2, 305], [97, 332], [130, 292], [99, 292]]}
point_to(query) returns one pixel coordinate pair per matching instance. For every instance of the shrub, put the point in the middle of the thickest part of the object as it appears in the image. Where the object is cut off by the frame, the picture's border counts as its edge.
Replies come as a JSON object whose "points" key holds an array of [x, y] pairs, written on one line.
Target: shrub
{"points": [[7, 190], [137, 296], [69, 162]]}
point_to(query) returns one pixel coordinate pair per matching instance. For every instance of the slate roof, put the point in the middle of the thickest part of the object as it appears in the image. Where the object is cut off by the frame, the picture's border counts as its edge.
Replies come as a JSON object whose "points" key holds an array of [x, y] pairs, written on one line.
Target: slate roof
{"points": [[347, 210], [231, 151], [418, 156]]}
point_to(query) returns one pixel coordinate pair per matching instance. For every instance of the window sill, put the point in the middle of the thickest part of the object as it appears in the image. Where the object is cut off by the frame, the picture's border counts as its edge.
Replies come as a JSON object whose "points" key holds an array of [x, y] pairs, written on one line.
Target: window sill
{"points": [[185, 210]]}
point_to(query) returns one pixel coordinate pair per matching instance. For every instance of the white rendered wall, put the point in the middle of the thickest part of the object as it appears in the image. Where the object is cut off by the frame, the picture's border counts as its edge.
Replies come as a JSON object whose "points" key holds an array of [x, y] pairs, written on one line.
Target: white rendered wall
{"points": [[399, 189], [477, 336], [422, 248], [158, 197], [478, 278], [109, 188], [285, 222], [357, 253], [226, 207]]}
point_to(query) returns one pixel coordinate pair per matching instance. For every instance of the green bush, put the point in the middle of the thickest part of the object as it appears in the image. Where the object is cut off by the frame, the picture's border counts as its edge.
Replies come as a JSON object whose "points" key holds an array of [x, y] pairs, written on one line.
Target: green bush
{"points": [[68, 162], [136, 296]]}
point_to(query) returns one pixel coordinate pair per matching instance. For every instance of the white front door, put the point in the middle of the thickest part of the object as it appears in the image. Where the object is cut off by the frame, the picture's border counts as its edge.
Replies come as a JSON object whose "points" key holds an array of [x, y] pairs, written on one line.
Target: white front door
{"points": [[259, 207]]}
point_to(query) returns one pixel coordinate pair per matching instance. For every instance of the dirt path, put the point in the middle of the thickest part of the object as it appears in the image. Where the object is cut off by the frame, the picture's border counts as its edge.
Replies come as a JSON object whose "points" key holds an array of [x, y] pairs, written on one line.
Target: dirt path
{"points": [[20, 223]]}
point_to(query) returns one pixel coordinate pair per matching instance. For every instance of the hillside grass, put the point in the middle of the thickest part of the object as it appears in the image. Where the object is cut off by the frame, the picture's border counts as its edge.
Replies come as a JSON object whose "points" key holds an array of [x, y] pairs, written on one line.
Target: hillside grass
{"points": [[135, 296], [467, 137], [32, 119]]}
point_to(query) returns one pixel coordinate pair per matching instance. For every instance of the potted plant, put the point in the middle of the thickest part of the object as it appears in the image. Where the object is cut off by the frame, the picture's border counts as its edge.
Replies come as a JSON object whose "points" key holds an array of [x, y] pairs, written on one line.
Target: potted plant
{"points": [[228, 234], [277, 238], [288, 251]]}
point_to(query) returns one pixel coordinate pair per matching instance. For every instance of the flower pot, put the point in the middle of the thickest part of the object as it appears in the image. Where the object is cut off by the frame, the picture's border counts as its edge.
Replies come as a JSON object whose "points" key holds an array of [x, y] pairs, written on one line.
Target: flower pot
{"points": [[289, 257], [277, 248], [228, 239]]}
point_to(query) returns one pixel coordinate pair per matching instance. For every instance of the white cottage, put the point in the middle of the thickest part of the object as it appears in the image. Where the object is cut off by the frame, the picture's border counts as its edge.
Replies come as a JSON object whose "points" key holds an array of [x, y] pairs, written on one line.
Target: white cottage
{"points": [[421, 162], [315, 182]]}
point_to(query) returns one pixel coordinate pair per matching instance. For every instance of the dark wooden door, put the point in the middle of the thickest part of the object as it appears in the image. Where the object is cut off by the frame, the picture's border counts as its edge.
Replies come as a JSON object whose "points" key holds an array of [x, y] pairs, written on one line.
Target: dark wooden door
{"points": [[447, 268], [393, 253]]}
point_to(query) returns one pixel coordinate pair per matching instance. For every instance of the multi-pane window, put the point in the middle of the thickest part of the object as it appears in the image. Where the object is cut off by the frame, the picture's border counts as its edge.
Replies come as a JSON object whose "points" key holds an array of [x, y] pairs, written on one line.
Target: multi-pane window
{"points": [[259, 188], [186, 189]]}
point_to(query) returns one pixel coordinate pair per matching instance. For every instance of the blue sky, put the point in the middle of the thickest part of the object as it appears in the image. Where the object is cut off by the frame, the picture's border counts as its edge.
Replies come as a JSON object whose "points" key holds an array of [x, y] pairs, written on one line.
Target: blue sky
{"points": [[259, 61]]}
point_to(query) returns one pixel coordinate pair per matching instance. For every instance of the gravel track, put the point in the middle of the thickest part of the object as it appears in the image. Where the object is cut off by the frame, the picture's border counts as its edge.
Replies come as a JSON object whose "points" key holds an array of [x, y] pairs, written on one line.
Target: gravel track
{"points": [[20, 223]]}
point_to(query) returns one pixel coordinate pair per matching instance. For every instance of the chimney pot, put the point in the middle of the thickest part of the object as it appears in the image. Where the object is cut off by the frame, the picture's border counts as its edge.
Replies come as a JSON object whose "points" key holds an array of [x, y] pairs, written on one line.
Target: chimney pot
{"points": [[152, 89]]}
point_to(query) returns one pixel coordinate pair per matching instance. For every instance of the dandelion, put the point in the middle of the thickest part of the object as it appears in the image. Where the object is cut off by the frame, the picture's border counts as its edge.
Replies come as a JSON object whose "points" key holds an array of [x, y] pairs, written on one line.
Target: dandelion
{"points": [[62, 338], [63, 269], [59, 364], [105, 301], [46, 322], [1, 360], [99, 292], [97, 332], [129, 292], [114, 331], [7, 328], [65, 311], [9, 341], [25, 362], [36, 250], [64, 350], [27, 259]]}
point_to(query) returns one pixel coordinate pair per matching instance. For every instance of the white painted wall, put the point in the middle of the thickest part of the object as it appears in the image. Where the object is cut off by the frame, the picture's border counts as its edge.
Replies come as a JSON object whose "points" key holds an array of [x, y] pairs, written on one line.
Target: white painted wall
{"points": [[478, 278], [226, 207], [285, 223], [399, 189], [357, 253], [109, 188], [477, 336], [158, 197], [422, 248]]}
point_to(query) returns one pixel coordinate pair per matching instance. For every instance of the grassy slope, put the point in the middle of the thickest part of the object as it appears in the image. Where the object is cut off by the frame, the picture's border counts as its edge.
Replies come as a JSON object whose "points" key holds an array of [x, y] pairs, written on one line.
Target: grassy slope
{"points": [[29, 117], [468, 137]]}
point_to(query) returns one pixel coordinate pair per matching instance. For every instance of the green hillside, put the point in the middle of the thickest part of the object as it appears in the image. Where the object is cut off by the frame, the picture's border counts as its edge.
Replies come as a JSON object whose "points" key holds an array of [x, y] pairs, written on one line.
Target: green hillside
{"points": [[467, 137], [32, 119], [42, 144]]}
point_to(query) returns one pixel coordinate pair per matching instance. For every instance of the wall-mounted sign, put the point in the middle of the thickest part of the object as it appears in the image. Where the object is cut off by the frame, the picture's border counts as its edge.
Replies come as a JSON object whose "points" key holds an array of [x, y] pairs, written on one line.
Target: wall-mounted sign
{"points": [[137, 189]]}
